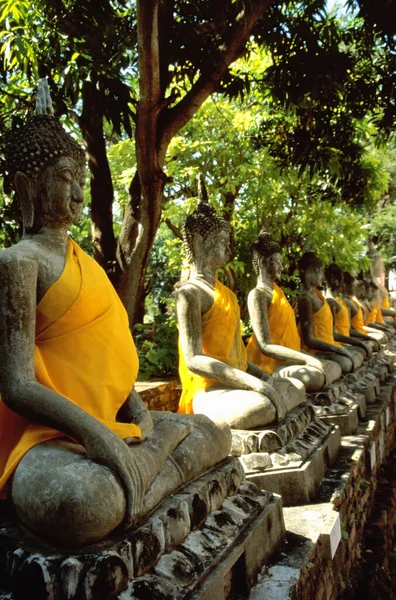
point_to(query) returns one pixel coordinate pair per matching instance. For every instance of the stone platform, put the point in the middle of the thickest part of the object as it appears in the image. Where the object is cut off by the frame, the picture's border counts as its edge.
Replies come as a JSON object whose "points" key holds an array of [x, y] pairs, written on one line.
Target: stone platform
{"points": [[209, 537], [289, 459], [324, 544]]}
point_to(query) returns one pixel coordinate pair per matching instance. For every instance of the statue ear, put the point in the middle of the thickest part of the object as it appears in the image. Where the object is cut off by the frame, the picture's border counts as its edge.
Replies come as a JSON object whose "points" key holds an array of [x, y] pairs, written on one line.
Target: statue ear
{"points": [[199, 251], [24, 192]]}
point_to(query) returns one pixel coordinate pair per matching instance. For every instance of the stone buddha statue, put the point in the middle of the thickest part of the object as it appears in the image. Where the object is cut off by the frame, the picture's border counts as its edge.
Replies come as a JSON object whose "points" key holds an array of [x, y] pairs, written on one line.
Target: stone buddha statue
{"points": [[275, 344], [79, 453], [342, 323], [216, 377], [316, 317], [374, 316], [377, 270], [358, 328]]}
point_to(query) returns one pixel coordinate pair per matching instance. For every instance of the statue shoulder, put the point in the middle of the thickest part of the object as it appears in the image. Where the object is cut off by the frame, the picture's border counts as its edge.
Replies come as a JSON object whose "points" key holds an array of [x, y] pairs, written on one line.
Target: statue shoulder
{"points": [[261, 294], [17, 257], [196, 293]]}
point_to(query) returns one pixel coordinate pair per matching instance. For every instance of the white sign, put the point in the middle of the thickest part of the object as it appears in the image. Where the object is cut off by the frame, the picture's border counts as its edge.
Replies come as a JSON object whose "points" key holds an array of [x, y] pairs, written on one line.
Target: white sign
{"points": [[373, 456], [381, 447], [335, 536]]}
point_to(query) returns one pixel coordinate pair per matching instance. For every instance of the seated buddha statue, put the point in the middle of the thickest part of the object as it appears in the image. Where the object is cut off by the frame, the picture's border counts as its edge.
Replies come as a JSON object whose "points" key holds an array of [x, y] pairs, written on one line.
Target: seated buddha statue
{"points": [[377, 270], [374, 316], [216, 377], [275, 344], [342, 323], [80, 455], [358, 328], [316, 318]]}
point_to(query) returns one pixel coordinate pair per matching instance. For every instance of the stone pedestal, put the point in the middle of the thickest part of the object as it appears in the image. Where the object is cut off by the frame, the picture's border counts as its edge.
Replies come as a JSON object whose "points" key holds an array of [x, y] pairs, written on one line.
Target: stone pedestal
{"points": [[289, 459], [204, 541]]}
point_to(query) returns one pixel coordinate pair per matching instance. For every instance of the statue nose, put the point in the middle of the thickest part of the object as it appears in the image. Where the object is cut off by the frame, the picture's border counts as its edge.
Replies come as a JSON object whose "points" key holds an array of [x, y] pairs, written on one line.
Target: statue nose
{"points": [[77, 193]]}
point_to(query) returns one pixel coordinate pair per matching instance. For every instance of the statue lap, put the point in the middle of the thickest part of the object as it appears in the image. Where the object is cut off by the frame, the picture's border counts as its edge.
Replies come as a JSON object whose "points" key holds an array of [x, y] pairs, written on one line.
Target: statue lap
{"points": [[62, 496]]}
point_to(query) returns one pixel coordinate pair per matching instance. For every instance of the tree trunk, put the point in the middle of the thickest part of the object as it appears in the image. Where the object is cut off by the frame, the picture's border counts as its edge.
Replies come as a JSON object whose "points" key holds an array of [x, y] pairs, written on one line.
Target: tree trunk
{"points": [[156, 125], [91, 123]]}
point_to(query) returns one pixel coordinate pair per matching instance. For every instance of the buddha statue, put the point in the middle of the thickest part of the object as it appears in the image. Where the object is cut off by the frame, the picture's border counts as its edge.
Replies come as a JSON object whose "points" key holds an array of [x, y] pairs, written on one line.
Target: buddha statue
{"points": [[342, 323], [316, 318], [80, 455], [358, 329], [377, 270], [374, 316], [275, 344], [217, 379]]}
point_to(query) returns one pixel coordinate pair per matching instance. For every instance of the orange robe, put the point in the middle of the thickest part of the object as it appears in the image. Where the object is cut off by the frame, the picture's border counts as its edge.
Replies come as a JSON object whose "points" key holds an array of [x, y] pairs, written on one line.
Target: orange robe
{"points": [[83, 350], [322, 325], [342, 323], [378, 317], [386, 304], [283, 331], [221, 339], [357, 322], [371, 316]]}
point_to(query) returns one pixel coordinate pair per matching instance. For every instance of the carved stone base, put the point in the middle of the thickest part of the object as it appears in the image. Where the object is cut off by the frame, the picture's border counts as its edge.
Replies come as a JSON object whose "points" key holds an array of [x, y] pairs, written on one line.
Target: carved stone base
{"points": [[289, 459], [347, 421], [195, 542]]}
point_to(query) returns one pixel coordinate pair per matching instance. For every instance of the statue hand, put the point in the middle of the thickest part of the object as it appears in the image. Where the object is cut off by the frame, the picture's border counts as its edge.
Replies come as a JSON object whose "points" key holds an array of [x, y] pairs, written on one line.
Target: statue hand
{"points": [[275, 398], [311, 361], [108, 449]]}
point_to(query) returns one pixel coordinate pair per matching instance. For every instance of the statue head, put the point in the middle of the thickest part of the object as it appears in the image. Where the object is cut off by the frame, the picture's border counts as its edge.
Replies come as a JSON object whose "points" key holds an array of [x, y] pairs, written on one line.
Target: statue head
{"points": [[361, 288], [372, 290], [46, 167], [334, 277], [311, 269], [349, 284], [206, 234], [268, 253]]}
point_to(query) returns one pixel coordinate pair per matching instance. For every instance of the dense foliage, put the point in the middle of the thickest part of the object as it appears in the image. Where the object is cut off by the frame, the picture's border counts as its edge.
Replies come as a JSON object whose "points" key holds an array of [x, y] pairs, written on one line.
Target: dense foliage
{"points": [[287, 111]]}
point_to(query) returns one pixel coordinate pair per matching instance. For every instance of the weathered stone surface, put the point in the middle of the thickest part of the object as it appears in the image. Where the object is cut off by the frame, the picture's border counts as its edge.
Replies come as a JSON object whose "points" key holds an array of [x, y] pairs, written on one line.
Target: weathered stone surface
{"points": [[303, 570]]}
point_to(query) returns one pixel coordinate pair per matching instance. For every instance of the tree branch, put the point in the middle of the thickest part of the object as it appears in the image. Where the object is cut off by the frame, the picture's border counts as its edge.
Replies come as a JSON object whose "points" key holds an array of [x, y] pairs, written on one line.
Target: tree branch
{"points": [[176, 117], [175, 230]]}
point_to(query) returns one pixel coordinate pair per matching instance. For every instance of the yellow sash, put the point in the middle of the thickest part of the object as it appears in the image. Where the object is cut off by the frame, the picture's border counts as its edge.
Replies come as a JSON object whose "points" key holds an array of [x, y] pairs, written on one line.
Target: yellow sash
{"points": [[357, 322], [283, 331], [83, 350], [221, 339], [371, 316], [385, 302], [342, 323], [322, 325]]}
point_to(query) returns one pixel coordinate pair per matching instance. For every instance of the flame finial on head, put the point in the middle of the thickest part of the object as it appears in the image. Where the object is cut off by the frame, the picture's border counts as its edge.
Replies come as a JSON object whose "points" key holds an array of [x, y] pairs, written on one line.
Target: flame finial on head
{"points": [[202, 191], [43, 99]]}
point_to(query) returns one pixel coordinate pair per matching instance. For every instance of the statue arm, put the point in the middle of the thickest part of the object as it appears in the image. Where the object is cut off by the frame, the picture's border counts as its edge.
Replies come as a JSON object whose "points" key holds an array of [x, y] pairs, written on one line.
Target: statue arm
{"points": [[258, 311], [388, 312], [339, 337], [23, 394], [188, 308], [134, 411], [305, 309]]}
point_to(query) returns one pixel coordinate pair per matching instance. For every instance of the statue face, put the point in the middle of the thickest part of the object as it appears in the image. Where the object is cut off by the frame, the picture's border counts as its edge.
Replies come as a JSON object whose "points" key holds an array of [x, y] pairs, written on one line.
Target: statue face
{"points": [[314, 276], [217, 248], [60, 191], [274, 265], [350, 287]]}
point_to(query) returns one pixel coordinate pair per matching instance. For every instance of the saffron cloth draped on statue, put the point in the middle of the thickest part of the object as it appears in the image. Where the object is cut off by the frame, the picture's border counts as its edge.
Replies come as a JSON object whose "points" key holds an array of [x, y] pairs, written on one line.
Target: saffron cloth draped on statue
{"points": [[322, 325], [83, 350], [342, 323], [283, 331], [357, 322], [221, 339]]}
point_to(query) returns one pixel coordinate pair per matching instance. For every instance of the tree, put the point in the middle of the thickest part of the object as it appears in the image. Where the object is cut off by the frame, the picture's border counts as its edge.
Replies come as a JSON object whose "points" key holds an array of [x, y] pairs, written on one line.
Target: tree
{"points": [[148, 66]]}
